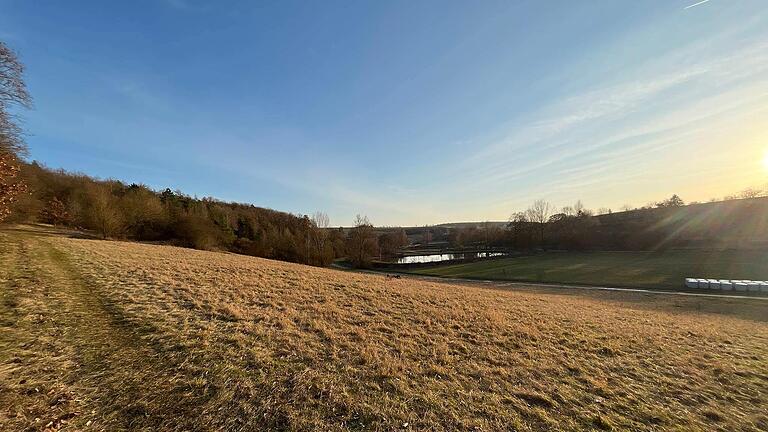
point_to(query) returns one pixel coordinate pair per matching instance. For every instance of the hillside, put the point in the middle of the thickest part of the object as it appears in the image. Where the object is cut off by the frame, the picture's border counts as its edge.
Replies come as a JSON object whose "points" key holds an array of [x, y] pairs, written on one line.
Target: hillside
{"points": [[732, 223], [478, 225], [101, 335], [652, 270], [121, 210]]}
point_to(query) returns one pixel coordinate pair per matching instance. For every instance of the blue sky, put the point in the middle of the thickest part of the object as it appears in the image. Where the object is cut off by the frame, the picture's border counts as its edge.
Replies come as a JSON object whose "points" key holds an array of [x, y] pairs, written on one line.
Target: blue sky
{"points": [[412, 112]]}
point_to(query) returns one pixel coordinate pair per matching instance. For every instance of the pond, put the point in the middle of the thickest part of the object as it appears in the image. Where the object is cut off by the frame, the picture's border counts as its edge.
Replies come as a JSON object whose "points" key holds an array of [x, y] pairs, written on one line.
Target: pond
{"points": [[418, 259]]}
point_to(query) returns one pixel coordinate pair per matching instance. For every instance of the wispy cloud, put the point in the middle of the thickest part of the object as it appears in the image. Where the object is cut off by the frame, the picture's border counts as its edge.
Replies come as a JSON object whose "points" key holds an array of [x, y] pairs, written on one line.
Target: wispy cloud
{"points": [[606, 137], [598, 105], [696, 4], [136, 92], [589, 140], [605, 134]]}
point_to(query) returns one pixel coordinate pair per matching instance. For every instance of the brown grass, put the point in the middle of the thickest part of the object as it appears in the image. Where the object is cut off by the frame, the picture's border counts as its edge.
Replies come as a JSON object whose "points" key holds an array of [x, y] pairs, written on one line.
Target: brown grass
{"points": [[98, 335]]}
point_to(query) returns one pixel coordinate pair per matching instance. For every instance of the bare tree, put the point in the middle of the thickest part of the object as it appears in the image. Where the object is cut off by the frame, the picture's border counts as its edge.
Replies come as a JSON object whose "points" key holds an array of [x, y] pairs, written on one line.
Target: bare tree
{"points": [[322, 251], [578, 208], [392, 241], [362, 243], [321, 219], [518, 224], [426, 236], [751, 193], [13, 91], [673, 201], [102, 211], [538, 213]]}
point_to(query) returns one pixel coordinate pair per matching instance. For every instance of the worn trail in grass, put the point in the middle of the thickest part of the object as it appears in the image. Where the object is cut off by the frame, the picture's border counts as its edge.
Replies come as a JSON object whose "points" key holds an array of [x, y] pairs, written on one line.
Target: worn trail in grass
{"points": [[68, 353], [98, 335]]}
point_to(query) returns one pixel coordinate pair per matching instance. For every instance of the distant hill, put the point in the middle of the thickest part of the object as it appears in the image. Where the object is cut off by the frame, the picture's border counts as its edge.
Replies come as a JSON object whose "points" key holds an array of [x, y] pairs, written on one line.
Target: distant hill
{"points": [[478, 225], [729, 224], [737, 223]]}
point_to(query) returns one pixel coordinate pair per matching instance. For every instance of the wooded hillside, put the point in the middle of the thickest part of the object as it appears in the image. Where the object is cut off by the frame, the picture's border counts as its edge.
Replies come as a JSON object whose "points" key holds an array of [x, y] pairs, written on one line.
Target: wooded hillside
{"points": [[118, 210]]}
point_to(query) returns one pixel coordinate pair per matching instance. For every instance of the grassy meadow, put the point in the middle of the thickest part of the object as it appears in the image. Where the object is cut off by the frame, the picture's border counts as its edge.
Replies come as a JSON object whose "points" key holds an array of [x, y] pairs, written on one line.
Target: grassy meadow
{"points": [[666, 270], [100, 335]]}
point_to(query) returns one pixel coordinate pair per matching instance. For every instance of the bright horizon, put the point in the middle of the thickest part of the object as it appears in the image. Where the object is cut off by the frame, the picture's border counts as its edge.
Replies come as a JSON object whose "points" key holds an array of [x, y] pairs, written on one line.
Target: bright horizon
{"points": [[410, 113]]}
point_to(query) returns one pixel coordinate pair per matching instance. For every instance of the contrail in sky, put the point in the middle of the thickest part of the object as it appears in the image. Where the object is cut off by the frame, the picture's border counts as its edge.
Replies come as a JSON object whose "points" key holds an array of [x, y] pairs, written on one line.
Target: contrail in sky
{"points": [[696, 4]]}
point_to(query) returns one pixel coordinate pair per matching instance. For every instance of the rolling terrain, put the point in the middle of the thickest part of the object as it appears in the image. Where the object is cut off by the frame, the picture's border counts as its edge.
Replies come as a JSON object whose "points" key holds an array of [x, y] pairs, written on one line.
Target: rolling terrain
{"points": [[102, 335], [665, 270]]}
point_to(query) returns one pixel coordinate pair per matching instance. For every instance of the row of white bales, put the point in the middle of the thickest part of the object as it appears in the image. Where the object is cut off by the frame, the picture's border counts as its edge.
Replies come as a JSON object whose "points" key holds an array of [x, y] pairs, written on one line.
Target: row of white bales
{"points": [[727, 285]]}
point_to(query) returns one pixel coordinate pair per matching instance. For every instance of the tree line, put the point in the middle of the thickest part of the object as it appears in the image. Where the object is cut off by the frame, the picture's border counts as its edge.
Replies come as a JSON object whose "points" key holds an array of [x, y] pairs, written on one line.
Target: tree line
{"points": [[113, 209], [738, 221]]}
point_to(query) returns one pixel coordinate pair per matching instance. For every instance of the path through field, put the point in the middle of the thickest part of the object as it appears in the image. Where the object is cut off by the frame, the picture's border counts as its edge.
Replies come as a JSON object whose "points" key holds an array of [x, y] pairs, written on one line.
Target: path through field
{"points": [[66, 349], [98, 335]]}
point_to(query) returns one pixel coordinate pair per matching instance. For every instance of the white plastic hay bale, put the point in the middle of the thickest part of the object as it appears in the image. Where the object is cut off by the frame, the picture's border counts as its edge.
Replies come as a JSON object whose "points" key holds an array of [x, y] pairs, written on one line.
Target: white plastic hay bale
{"points": [[703, 283], [740, 286], [753, 286], [764, 286], [726, 285], [714, 284], [691, 283]]}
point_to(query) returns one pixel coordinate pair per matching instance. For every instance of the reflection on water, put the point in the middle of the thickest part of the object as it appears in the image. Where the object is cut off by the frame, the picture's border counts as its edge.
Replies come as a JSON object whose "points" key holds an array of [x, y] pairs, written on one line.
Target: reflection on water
{"points": [[446, 257]]}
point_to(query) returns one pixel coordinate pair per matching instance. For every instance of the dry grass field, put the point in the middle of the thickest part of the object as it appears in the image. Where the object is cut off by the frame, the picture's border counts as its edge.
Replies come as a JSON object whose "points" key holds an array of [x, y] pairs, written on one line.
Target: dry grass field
{"points": [[105, 336]]}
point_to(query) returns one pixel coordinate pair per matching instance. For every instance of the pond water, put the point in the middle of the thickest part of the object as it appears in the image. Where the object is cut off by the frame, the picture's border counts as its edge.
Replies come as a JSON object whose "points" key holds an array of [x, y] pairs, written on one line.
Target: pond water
{"points": [[417, 259]]}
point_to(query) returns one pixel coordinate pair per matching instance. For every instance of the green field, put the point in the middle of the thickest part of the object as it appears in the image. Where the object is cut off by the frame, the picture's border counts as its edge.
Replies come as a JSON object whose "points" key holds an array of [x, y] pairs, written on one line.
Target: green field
{"points": [[665, 270]]}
